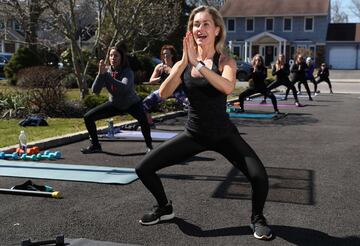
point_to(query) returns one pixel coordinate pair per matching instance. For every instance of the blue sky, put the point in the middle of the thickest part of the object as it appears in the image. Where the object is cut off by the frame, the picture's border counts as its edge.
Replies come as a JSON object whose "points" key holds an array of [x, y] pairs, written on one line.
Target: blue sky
{"points": [[345, 4]]}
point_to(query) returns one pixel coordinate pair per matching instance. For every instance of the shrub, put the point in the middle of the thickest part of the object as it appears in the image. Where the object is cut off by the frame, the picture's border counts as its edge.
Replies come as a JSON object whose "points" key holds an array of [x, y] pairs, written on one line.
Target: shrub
{"points": [[70, 81], [13, 104], [44, 88], [93, 100], [22, 58]]}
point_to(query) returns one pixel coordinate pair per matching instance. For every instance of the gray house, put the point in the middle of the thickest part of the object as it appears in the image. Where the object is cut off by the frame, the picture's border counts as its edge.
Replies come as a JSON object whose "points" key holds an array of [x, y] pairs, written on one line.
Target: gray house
{"points": [[276, 26]]}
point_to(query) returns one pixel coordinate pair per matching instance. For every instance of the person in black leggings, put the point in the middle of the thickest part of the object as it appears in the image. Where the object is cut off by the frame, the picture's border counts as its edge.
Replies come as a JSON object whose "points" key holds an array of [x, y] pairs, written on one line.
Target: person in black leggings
{"points": [[281, 72], [208, 77], [258, 74], [118, 79], [297, 74], [323, 75], [309, 74]]}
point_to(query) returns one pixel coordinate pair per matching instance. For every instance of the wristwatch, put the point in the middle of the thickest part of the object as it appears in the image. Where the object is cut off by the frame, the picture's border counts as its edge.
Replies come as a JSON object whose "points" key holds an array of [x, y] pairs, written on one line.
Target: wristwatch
{"points": [[200, 65]]}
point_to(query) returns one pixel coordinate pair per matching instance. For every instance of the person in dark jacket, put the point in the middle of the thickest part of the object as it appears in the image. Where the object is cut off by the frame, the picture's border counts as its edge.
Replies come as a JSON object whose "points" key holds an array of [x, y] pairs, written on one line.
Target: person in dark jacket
{"points": [[118, 79], [323, 75], [309, 74], [297, 74], [258, 75]]}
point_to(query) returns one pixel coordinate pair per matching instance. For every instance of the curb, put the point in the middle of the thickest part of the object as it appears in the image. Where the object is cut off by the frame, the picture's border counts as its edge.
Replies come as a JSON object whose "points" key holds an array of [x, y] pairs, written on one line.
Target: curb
{"points": [[53, 142]]}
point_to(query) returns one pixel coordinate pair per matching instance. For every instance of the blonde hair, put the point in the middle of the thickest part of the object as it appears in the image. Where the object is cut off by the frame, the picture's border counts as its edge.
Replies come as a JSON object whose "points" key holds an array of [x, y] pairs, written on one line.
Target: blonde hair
{"points": [[280, 61], [218, 21]]}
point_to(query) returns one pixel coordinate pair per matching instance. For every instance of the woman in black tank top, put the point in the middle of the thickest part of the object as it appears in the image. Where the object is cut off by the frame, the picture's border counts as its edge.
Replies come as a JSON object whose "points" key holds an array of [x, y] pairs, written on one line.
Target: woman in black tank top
{"points": [[208, 77]]}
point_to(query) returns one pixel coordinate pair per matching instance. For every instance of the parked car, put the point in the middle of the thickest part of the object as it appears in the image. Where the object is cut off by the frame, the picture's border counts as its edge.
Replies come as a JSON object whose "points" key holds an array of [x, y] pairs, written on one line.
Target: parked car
{"points": [[243, 70], [4, 58]]}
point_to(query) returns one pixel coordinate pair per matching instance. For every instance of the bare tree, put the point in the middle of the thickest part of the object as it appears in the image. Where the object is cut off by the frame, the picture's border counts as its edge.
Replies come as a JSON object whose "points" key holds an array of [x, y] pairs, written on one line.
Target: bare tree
{"points": [[139, 23], [215, 3], [355, 9], [337, 14], [27, 14]]}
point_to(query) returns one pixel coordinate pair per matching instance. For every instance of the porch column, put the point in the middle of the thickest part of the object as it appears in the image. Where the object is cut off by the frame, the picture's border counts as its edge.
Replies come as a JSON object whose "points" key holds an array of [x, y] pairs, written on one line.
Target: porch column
{"points": [[245, 53], [279, 49], [250, 51], [285, 48]]}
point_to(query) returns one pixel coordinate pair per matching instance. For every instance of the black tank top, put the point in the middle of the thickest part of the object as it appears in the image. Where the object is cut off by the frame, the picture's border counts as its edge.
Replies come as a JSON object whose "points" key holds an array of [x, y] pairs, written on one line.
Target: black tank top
{"points": [[207, 110]]}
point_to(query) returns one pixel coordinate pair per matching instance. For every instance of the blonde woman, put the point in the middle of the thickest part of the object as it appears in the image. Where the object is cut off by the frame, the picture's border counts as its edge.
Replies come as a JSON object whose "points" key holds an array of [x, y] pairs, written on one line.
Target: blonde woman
{"points": [[208, 76]]}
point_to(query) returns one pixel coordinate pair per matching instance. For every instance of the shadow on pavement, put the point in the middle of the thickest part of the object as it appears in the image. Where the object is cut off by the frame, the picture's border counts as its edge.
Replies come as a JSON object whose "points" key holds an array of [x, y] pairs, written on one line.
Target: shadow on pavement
{"points": [[294, 235]]}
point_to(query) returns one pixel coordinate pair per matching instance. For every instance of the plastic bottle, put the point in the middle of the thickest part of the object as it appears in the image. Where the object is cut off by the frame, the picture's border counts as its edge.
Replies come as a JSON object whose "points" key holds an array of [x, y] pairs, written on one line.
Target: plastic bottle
{"points": [[110, 132], [23, 141]]}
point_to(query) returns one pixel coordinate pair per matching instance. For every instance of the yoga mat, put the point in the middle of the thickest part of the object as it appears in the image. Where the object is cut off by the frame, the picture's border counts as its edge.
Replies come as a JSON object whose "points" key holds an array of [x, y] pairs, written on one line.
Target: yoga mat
{"points": [[137, 135], [269, 104], [251, 116], [82, 173]]}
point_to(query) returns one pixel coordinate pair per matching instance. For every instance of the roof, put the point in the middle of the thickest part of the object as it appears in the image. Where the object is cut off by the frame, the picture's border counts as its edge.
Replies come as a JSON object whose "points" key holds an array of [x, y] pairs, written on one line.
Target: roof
{"points": [[252, 8], [343, 32]]}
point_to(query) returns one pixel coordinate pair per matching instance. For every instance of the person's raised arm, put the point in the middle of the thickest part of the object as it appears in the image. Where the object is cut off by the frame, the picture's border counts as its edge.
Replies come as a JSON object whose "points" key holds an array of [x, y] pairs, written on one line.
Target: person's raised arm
{"points": [[155, 77], [174, 79], [224, 82], [100, 78]]}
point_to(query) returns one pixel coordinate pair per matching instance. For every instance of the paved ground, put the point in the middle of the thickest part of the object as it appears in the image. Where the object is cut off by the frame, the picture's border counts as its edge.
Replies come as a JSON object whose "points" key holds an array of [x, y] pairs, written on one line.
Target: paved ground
{"points": [[312, 158]]}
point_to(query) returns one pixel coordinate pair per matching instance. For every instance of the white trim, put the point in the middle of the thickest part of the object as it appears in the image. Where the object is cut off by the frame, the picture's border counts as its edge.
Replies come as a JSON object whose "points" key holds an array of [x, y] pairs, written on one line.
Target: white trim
{"points": [[313, 24], [253, 25], [266, 19], [291, 26], [260, 35], [227, 25]]}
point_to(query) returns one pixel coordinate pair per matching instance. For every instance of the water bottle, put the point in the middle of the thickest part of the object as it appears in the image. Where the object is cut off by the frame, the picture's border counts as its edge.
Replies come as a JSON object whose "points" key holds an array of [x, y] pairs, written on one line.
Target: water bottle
{"points": [[110, 132], [23, 141]]}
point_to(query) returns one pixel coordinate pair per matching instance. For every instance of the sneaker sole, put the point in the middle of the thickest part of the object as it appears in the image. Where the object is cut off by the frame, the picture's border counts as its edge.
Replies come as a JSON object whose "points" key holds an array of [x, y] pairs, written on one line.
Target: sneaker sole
{"points": [[263, 237], [162, 218]]}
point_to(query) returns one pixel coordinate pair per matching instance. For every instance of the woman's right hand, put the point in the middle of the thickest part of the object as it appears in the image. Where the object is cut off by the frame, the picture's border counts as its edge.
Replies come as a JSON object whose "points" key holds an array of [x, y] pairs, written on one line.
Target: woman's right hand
{"points": [[102, 67], [184, 60]]}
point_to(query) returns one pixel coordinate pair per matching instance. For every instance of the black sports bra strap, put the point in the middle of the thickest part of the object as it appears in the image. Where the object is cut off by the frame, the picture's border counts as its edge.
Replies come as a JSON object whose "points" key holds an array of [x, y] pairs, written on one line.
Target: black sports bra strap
{"points": [[216, 59]]}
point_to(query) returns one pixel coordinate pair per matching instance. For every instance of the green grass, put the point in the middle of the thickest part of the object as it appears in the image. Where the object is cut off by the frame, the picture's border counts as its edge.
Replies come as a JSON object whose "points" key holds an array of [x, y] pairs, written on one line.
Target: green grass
{"points": [[10, 129]]}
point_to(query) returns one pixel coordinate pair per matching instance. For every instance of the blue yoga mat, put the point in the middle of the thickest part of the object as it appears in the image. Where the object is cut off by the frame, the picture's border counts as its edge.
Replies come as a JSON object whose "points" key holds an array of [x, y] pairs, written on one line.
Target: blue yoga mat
{"points": [[82, 173], [251, 116]]}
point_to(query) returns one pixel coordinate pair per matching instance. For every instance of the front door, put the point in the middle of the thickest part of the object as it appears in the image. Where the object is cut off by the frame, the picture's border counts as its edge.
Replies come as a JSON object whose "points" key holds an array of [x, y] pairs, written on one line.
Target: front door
{"points": [[269, 55]]}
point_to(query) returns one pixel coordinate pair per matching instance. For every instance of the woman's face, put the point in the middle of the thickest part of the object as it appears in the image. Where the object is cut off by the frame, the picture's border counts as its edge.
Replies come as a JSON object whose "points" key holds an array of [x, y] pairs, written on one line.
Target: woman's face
{"points": [[167, 56], [115, 58], [257, 61], [204, 29], [281, 58]]}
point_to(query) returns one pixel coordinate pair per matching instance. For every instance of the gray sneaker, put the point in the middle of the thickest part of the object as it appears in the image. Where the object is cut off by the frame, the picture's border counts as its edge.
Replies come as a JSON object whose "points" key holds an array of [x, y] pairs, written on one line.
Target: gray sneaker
{"points": [[158, 214], [260, 228]]}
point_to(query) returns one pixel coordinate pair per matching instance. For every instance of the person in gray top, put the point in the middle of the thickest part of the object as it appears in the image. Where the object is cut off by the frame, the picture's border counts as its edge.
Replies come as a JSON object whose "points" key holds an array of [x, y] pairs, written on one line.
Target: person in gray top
{"points": [[118, 79]]}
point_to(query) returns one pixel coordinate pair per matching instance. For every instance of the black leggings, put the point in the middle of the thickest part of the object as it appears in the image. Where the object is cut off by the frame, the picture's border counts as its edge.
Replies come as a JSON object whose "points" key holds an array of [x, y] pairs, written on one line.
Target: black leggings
{"points": [[186, 145], [312, 79], [327, 80], [107, 110], [303, 81], [286, 83], [252, 90]]}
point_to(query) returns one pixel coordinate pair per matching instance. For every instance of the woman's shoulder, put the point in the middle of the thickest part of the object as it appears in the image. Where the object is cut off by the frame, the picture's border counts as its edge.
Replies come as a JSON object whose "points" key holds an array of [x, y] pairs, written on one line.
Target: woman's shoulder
{"points": [[226, 60]]}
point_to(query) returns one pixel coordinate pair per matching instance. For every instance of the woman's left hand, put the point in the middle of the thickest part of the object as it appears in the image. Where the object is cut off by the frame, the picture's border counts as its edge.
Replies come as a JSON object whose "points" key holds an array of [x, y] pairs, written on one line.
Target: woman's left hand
{"points": [[191, 49]]}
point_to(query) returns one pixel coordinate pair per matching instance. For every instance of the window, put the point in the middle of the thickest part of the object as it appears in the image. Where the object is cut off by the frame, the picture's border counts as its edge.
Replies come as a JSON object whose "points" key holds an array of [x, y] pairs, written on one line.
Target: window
{"points": [[2, 24], [287, 24], [269, 24], [231, 25], [17, 26], [249, 25], [309, 24]]}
